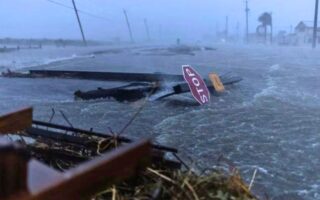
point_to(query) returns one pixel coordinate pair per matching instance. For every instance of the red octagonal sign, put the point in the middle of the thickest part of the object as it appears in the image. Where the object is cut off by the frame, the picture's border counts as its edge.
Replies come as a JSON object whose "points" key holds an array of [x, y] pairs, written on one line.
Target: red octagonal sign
{"points": [[196, 84]]}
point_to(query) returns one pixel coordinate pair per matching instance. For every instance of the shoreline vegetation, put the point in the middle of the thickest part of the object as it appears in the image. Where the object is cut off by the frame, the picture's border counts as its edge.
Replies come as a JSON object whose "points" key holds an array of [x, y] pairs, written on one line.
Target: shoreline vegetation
{"points": [[180, 184]]}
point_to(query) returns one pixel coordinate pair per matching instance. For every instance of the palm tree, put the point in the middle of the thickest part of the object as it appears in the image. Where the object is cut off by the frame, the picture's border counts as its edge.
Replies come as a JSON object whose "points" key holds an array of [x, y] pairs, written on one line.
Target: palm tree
{"points": [[266, 20]]}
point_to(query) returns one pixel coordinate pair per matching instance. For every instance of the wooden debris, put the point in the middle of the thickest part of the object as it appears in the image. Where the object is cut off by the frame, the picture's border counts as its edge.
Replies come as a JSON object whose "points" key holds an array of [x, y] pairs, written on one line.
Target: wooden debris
{"points": [[44, 183], [108, 169], [70, 163], [16, 121], [103, 76], [141, 86], [13, 169]]}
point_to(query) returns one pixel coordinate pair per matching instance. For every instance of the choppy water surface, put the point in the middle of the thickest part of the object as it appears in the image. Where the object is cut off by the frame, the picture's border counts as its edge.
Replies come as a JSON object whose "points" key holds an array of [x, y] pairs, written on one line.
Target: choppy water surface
{"points": [[270, 121]]}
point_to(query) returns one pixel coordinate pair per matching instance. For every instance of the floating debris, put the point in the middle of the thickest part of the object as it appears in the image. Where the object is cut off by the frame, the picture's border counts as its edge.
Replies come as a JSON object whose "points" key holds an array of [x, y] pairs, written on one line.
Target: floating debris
{"points": [[156, 86]]}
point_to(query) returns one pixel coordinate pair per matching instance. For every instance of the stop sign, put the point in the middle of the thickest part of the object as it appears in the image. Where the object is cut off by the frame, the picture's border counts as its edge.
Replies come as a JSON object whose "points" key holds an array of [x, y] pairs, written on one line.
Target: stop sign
{"points": [[196, 84]]}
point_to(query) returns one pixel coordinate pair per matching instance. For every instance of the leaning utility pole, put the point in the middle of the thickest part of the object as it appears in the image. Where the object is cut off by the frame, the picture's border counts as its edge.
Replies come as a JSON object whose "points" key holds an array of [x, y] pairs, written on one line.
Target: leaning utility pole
{"points": [[79, 22], [128, 24], [315, 25], [147, 28], [247, 22]]}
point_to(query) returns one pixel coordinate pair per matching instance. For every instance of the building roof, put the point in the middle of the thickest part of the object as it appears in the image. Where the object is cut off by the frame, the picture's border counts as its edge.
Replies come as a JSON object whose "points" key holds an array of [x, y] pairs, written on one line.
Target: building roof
{"points": [[308, 24], [305, 25]]}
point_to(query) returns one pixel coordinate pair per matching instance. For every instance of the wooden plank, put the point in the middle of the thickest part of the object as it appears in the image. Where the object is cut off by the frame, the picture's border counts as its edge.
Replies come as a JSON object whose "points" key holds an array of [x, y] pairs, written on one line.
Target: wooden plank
{"points": [[46, 125], [13, 169], [62, 137], [87, 179], [106, 76], [16, 121]]}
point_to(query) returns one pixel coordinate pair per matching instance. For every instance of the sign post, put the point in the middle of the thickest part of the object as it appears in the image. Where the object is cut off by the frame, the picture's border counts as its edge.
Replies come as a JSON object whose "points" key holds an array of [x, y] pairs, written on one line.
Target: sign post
{"points": [[196, 84]]}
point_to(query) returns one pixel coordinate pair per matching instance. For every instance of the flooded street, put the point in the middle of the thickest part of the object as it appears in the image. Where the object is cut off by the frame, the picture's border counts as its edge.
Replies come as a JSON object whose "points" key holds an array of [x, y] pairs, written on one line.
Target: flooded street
{"points": [[270, 121]]}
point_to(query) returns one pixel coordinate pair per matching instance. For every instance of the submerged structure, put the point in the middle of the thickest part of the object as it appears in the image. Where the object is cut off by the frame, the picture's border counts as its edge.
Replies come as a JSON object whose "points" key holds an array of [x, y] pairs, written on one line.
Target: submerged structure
{"points": [[141, 85]]}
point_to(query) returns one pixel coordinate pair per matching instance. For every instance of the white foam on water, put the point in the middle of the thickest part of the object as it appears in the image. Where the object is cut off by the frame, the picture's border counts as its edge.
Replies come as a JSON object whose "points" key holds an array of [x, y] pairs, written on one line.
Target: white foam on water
{"points": [[59, 59], [33, 58], [258, 168], [269, 90], [162, 138], [167, 124], [168, 121], [303, 192], [272, 87], [273, 68], [263, 170]]}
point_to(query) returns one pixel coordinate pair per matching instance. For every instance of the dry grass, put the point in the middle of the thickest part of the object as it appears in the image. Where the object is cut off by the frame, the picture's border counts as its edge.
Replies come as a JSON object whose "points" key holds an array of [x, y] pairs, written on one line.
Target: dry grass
{"points": [[155, 183], [185, 185]]}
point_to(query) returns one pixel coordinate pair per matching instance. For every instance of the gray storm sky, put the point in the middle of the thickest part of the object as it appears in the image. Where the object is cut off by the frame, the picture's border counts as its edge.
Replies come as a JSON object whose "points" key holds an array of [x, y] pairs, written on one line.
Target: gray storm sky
{"points": [[168, 19]]}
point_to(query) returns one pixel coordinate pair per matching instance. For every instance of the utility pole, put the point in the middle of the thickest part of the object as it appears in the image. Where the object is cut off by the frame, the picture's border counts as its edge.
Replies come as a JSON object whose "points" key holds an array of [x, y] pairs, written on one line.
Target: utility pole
{"points": [[79, 22], [128, 24], [147, 28], [315, 25], [247, 21]]}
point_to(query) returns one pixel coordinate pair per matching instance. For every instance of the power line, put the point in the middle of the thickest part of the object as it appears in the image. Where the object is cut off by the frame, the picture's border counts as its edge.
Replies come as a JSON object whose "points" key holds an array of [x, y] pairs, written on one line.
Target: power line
{"points": [[80, 11]]}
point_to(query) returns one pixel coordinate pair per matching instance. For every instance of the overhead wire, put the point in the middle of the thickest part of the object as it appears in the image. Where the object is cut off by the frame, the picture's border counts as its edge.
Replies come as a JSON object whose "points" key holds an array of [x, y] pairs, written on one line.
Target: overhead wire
{"points": [[80, 11]]}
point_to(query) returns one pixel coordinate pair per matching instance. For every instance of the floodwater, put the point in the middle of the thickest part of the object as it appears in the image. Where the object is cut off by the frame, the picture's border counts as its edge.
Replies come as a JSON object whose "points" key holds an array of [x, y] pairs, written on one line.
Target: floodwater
{"points": [[270, 121]]}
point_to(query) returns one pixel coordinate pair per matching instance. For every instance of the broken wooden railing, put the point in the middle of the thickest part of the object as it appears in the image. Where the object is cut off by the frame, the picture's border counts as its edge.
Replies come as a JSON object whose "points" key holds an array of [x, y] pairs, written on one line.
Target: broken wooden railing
{"points": [[28, 179], [55, 162], [94, 141], [16, 121]]}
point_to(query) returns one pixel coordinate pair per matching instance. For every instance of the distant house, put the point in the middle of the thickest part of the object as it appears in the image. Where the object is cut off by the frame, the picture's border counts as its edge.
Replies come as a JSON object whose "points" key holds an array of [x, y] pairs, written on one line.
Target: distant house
{"points": [[304, 33]]}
